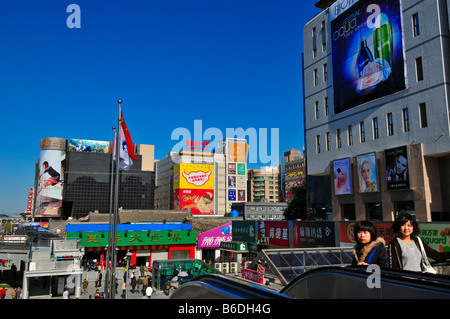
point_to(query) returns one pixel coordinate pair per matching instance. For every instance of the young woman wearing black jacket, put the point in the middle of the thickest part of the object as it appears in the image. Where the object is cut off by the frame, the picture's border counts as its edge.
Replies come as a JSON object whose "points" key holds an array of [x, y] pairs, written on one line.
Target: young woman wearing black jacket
{"points": [[369, 248]]}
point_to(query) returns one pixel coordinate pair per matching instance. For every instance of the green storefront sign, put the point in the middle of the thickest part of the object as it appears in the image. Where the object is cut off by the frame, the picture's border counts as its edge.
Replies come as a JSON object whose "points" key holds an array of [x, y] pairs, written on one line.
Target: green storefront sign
{"points": [[136, 238]]}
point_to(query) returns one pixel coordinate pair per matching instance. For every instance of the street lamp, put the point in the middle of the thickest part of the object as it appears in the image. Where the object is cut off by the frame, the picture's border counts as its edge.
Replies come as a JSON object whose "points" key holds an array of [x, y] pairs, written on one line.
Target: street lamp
{"points": [[128, 257]]}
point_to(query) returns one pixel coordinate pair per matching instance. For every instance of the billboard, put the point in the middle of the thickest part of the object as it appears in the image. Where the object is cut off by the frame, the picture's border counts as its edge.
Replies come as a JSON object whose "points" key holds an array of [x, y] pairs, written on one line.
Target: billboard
{"points": [[313, 234], [397, 176], [212, 238], [193, 188], [367, 173], [50, 178], [274, 233], [342, 177], [80, 145], [367, 51], [237, 151]]}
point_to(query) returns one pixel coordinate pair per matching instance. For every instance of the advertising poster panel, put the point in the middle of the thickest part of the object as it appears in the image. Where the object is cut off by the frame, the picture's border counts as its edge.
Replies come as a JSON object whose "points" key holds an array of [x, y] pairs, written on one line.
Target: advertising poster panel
{"points": [[397, 172], [274, 233], [237, 151], [367, 51], [50, 179], [367, 173], [193, 188], [213, 237], [80, 145], [436, 235], [313, 234], [245, 231], [342, 177]]}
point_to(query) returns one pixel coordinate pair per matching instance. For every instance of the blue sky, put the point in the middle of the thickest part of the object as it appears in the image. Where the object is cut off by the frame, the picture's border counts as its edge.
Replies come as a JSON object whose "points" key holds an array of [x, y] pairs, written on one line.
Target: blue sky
{"points": [[230, 64]]}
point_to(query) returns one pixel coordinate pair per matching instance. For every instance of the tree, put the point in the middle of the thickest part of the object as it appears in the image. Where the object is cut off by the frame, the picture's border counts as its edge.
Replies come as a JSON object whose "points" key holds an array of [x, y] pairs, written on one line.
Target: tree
{"points": [[297, 206]]}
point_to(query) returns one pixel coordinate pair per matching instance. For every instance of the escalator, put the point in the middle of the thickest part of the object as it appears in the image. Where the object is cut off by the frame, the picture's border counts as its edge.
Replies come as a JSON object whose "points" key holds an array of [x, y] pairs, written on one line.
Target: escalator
{"points": [[324, 283]]}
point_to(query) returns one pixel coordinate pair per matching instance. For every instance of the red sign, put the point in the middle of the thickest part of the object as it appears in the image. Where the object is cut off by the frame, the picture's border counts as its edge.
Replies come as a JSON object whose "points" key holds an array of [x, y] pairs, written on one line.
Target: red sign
{"points": [[274, 233], [256, 276]]}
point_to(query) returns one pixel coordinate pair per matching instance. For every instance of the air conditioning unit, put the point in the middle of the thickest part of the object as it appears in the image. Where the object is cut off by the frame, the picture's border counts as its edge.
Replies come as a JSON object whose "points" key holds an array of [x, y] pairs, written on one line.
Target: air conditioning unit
{"points": [[218, 266], [234, 267], [225, 268]]}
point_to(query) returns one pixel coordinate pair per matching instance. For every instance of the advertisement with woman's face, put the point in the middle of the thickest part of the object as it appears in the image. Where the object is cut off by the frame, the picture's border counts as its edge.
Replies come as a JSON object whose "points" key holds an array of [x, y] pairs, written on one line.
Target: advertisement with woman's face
{"points": [[367, 173], [342, 177]]}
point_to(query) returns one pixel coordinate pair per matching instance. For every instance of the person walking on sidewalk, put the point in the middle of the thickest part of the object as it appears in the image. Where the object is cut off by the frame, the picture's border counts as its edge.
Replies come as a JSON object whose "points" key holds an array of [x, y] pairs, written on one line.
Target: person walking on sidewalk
{"points": [[148, 292]]}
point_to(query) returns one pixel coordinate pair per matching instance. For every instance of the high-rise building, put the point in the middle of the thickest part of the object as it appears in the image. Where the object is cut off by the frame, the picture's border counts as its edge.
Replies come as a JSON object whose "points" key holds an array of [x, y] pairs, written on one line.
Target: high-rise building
{"points": [[264, 185], [376, 107]]}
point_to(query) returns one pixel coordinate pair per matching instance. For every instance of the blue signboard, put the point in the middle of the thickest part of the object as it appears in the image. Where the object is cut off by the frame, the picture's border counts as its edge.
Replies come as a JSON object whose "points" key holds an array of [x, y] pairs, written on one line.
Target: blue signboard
{"points": [[232, 195]]}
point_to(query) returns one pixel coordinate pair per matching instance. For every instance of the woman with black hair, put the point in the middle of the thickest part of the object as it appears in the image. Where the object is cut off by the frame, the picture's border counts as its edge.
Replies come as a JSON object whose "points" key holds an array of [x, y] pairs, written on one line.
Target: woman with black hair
{"points": [[369, 248], [405, 251]]}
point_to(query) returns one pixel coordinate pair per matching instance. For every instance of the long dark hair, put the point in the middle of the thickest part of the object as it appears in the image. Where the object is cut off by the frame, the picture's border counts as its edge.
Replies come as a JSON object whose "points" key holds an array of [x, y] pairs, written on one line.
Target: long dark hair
{"points": [[365, 225], [402, 219]]}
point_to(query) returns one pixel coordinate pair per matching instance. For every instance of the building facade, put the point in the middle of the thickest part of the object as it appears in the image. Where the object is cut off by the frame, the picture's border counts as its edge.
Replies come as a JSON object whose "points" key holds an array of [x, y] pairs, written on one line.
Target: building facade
{"points": [[73, 178], [294, 174], [375, 102], [264, 185]]}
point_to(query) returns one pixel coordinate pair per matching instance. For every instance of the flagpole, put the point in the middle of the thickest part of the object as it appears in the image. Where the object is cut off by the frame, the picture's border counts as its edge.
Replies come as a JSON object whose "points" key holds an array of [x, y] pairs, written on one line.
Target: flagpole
{"points": [[108, 285], [116, 201]]}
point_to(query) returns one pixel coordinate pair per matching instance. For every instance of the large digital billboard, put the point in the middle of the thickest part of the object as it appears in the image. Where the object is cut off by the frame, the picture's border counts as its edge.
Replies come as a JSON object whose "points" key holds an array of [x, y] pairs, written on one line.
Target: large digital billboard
{"points": [[367, 51]]}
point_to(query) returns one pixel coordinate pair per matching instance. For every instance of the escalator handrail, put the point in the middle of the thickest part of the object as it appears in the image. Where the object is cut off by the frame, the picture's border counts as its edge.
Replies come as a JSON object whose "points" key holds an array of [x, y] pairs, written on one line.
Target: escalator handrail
{"points": [[407, 278], [234, 287]]}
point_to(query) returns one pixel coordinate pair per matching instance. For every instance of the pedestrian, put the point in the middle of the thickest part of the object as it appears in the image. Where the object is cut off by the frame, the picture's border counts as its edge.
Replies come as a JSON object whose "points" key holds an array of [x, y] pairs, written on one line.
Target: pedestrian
{"points": [[100, 276], [66, 293], [14, 293], [3, 293], [142, 269], [405, 249], [97, 294], [85, 286], [124, 289], [148, 292], [369, 248], [19, 293], [139, 284], [133, 283], [144, 284]]}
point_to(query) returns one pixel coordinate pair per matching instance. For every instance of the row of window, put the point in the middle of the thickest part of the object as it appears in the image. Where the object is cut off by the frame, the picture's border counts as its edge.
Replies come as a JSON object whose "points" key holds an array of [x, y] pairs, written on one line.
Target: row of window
{"points": [[406, 123]]}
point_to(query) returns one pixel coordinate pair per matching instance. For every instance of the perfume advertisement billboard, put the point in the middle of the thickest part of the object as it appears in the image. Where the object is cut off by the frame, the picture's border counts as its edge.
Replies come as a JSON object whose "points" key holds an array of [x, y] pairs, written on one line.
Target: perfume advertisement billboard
{"points": [[342, 177], [397, 175], [367, 52]]}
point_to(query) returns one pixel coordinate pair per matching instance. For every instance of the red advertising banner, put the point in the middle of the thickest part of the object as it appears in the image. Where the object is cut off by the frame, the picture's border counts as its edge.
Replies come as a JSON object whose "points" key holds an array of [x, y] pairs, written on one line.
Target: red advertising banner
{"points": [[256, 276], [274, 233], [199, 201]]}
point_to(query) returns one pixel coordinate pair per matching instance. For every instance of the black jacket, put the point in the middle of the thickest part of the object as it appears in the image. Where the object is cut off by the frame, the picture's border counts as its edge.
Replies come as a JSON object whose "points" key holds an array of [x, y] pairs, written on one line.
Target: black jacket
{"points": [[375, 253]]}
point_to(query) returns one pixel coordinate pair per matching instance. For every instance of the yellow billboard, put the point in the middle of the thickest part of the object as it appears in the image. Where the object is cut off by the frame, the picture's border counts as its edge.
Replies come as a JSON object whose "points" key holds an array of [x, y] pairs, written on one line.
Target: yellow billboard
{"points": [[193, 176]]}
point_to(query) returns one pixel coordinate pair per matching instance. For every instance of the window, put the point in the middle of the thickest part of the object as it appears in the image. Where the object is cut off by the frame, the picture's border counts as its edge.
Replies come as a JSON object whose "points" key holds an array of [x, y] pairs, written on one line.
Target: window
{"points": [[419, 69], [338, 138], [316, 110], [350, 135], [313, 32], [423, 115], [325, 102], [390, 124], [362, 132], [406, 127], [314, 52], [318, 144], [325, 72], [328, 141], [316, 79], [415, 24], [376, 133]]}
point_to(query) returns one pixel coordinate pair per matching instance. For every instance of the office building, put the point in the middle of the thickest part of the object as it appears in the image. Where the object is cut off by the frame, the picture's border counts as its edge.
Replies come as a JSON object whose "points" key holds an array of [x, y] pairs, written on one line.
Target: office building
{"points": [[376, 107]]}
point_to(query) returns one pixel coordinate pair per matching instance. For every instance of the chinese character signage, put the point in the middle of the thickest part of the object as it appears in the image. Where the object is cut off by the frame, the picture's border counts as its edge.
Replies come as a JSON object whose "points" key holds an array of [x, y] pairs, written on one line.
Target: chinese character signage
{"points": [[213, 237], [313, 234], [274, 233], [367, 51], [436, 235], [136, 238], [245, 231]]}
